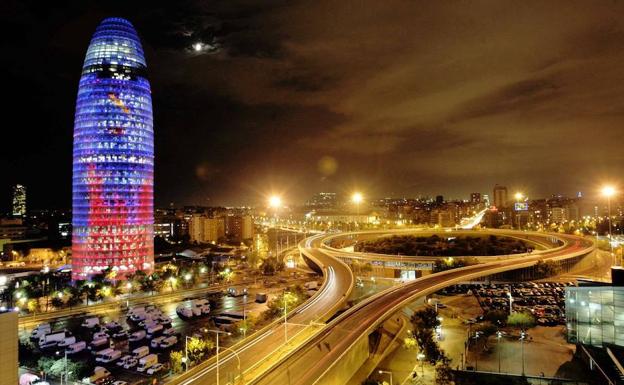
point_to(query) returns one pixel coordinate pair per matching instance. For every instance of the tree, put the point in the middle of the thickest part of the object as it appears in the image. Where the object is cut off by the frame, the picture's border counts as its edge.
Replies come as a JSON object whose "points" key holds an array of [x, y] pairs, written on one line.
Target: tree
{"points": [[427, 345], [426, 318], [444, 373], [198, 348], [175, 360], [487, 329], [521, 320], [75, 370]]}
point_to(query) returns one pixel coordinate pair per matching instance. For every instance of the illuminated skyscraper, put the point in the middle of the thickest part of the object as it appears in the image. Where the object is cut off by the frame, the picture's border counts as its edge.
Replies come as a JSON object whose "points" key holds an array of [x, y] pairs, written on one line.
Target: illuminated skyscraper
{"points": [[113, 159], [19, 200]]}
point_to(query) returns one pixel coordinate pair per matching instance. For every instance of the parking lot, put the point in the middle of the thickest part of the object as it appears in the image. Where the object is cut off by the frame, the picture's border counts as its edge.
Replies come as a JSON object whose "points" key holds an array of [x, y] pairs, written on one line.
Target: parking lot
{"points": [[172, 325], [545, 300]]}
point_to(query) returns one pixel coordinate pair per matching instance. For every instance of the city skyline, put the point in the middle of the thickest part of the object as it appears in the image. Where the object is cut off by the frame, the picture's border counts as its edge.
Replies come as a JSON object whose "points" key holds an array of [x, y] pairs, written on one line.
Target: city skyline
{"points": [[246, 110]]}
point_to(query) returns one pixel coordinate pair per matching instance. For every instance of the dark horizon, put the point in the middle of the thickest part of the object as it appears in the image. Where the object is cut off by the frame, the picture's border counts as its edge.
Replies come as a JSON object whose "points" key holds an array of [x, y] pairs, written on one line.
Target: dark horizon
{"points": [[399, 99]]}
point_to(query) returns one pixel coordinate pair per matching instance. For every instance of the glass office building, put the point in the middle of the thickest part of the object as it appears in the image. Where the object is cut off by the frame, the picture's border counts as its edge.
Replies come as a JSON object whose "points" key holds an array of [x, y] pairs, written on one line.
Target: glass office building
{"points": [[595, 315], [113, 157]]}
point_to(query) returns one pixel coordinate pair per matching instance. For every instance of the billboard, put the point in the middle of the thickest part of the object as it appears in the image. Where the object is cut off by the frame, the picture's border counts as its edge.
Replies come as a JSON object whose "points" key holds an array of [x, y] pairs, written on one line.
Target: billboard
{"points": [[521, 206]]}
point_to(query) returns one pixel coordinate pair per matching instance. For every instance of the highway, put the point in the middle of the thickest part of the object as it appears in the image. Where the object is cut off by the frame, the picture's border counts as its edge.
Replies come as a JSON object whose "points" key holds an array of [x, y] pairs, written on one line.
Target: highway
{"points": [[265, 346], [316, 358]]}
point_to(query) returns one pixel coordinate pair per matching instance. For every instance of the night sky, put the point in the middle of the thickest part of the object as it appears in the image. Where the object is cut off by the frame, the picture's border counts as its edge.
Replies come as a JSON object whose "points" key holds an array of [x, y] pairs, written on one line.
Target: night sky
{"points": [[393, 97]]}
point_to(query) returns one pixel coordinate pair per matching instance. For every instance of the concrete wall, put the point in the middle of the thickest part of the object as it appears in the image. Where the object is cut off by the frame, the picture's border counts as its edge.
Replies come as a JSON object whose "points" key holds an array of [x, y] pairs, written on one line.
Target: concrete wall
{"points": [[8, 347], [350, 363]]}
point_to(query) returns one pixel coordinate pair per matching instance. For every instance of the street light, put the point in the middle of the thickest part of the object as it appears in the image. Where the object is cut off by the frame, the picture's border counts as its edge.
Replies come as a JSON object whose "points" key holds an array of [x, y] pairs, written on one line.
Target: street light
{"points": [[421, 357], [388, 373], [275, 201], [217, 332], [498, 337], [522, 338], [608, 192], [357, 198]]}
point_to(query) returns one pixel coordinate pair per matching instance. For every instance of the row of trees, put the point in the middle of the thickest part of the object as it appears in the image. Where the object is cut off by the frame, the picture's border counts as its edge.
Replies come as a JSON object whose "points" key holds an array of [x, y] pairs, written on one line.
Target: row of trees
{"points": [[43, 291]]}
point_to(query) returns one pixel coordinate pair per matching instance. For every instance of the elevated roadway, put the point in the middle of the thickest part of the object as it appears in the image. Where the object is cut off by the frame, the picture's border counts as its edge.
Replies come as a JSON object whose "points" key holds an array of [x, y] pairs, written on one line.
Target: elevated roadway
{"points": [[336, 352], [241, 363]]}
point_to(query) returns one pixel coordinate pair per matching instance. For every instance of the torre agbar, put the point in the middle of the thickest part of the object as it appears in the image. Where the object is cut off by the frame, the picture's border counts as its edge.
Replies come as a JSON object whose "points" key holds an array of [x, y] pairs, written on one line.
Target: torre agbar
{"points": [[113, 158]]}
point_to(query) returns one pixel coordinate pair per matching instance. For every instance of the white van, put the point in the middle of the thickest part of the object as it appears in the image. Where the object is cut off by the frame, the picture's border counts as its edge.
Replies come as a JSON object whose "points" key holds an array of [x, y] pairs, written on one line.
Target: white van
{"points": [[40, 330], [90, 323], [140, 352], [99, 344], [137, 336], [154, 330], [147, 362], [76, 348], [168, 342], [107, 355]]}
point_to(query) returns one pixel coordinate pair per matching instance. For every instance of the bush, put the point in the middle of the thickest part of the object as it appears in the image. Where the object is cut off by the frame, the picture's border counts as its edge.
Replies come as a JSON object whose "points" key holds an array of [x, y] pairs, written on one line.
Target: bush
{"points": [[521, 320]]}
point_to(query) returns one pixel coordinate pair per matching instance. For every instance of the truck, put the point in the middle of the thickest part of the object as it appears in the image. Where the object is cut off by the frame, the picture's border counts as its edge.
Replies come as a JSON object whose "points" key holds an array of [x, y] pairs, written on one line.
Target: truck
{"points": [[52, 339], [99, 373], [147, 362], [140, 352]]}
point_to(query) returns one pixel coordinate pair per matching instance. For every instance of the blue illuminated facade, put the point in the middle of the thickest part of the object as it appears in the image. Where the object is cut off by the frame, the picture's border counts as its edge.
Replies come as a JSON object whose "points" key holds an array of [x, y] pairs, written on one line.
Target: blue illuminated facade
{"points": [[113, 157]]}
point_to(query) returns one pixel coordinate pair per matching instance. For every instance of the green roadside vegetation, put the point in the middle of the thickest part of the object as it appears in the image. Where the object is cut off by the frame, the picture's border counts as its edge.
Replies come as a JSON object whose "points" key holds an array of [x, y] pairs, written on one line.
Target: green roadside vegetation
{"points": [[451, 246]]}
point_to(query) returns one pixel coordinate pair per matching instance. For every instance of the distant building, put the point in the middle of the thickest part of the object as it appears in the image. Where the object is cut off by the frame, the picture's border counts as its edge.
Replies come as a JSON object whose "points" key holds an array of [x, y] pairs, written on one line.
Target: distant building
{"points": [[444, 217], [486, 200], [203, 229], [19, 201], [239, 227], [475, 198], [558, 214], [12, 229], [323, 200], [500, 196], [9, 364], [439, 199]]}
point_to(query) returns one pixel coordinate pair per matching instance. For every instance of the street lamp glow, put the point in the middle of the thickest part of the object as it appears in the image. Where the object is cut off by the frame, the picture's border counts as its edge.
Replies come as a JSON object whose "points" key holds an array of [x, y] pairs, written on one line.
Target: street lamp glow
{"points": [[608, 191], [518, 196], [357, 198], [187, 277], [275, 201]]}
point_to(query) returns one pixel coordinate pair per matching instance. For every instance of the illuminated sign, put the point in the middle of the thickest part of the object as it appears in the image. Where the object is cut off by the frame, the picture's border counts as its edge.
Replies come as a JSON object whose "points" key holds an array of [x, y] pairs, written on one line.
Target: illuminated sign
{"points": [[521, 206]]}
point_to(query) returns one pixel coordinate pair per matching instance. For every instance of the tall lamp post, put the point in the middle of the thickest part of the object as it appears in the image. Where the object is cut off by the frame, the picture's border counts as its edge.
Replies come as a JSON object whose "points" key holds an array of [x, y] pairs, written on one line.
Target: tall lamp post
{"points": [[498, 337], [608, 192], [386, 372], [217, 332], [421, 357]]}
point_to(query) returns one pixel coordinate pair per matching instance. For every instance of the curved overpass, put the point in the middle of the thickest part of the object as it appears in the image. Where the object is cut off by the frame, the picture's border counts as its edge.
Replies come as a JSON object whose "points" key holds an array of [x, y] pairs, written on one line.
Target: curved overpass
{"points": [[262, 347], [334, 354]]}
